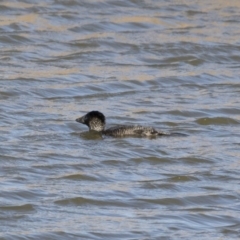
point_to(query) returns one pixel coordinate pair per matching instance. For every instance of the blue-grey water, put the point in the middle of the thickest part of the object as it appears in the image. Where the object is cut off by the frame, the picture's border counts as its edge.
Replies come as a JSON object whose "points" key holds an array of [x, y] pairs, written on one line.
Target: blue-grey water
{"points": [[173, 65]]}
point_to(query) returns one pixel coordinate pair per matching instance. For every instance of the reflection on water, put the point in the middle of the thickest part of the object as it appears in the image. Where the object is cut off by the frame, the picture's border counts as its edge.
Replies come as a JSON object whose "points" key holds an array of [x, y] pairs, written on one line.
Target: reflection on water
{"points": [[170, 65]]}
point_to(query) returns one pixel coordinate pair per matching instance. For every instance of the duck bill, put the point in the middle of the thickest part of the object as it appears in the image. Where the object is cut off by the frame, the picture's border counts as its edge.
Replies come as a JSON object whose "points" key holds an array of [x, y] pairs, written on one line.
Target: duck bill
{"points": [[80, 120]]}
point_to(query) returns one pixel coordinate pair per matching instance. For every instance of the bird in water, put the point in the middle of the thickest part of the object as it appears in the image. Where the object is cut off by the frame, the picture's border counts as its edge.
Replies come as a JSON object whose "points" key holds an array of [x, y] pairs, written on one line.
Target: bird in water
{"points": [[96, 121]]}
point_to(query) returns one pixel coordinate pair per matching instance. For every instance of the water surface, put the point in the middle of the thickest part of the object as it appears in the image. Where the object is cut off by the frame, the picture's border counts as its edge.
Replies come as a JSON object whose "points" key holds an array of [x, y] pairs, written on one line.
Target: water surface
{"points": [[167, 64]]}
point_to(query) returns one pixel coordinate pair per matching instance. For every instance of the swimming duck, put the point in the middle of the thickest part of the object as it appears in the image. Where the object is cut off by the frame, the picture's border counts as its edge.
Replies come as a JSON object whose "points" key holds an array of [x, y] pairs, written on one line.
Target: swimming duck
{"points": [[95, 121]]}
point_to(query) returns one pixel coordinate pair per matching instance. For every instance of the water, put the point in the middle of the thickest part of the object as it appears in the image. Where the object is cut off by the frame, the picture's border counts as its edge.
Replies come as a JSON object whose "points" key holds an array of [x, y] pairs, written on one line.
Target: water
{"points": [[173, 65]]}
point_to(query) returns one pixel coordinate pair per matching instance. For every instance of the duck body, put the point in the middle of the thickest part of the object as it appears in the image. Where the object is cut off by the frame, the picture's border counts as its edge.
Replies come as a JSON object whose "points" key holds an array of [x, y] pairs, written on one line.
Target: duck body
{"points": [[96, 121], [132, 130]]}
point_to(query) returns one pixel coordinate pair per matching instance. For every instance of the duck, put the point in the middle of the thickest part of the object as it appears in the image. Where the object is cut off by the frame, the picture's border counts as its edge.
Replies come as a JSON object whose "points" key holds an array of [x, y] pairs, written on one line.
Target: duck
{"points": [[96, 121]]}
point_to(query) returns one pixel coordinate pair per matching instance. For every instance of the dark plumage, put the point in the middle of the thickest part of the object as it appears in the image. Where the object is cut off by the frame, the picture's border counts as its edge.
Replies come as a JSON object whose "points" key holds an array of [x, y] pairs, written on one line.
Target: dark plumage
{"points": [[96, 121]]}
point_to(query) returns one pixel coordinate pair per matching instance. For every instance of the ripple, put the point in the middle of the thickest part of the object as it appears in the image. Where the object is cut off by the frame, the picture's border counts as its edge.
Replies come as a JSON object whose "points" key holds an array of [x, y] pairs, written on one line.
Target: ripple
{"points": [[183, 179], [79, 201], [79, 177], [196, 160], [13, 39], [152, 160], [23, 194], [18, 208], [216, 121]]}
